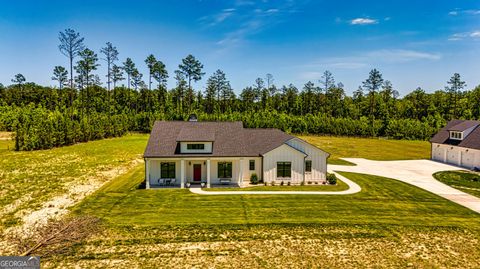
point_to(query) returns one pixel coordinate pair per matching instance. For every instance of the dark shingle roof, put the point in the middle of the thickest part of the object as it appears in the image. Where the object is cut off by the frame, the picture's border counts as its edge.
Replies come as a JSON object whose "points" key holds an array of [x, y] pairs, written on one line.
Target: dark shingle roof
{"points": [[464, 125], [229, 139], [471, 141]]}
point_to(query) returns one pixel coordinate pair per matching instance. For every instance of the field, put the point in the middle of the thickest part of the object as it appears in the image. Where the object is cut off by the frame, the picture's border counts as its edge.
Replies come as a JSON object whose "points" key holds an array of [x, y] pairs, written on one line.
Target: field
{"points": [[369, 148], [468, 182], [29, 179], [388, 224]]}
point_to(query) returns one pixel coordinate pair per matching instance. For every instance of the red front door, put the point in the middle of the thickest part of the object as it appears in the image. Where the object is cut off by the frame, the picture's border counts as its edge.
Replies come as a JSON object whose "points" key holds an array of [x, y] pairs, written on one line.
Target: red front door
{"points": [[197, 172]]}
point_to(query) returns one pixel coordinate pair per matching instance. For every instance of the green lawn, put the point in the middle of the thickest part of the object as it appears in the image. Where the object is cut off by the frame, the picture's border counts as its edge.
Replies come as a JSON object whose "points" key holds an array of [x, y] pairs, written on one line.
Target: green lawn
{"points": [[339, 187], [28, 179], [381, 202], [468, 182], [388, 224], [402, 225], [369, 148]]}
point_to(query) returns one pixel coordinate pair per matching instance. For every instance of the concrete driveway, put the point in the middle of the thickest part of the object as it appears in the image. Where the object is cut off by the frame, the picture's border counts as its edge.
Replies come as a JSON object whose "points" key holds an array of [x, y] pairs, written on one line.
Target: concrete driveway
{"points": [[414, 172]]}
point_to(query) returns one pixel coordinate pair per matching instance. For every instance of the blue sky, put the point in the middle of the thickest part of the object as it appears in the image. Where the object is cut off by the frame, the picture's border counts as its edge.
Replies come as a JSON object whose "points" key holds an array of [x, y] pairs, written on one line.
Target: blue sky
{"points": [[413, 43]]}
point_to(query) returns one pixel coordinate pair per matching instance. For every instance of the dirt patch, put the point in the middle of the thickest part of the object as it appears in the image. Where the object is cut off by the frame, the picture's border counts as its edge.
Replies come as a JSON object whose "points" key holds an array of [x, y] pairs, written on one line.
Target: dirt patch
{"points": [[6, 135], [437, 249], [58, 206]]}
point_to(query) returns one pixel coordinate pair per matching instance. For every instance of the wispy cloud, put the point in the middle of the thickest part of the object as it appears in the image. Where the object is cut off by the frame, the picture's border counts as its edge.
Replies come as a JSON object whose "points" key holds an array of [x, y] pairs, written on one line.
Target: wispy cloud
{"points": [[247, 18], [402, 56], [365, 60], [465, 35], [458, 12], [363, 21]]}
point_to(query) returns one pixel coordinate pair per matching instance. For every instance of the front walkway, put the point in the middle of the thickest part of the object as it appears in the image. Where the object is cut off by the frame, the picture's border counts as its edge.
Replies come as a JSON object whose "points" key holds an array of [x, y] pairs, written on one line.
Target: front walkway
{"points": [[353, 188], [415, 172]]}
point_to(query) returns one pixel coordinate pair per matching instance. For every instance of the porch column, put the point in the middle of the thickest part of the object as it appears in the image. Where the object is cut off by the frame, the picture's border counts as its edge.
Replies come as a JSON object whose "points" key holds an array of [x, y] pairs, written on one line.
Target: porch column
{"points": [[147, 174], [240, 172], [208, 173], [182, 173]]}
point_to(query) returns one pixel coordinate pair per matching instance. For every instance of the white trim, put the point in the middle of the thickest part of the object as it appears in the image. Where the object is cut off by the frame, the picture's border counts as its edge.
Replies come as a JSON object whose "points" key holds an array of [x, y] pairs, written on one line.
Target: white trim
{"points": [[208, 173], [182, 173]]}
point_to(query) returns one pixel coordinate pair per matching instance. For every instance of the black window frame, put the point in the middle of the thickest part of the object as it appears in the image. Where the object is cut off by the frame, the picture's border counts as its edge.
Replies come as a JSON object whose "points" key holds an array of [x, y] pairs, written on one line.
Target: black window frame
{"points": [[251, 165], [224, 169], [284, 170], [195, 146], [167, 170], [308, 166]]}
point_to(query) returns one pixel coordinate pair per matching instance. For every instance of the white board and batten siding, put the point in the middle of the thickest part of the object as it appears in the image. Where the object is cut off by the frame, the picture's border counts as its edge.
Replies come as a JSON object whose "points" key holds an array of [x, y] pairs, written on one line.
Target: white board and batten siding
{"points": [[297, 152], [284, 153], [314, 154], [459, 156]]}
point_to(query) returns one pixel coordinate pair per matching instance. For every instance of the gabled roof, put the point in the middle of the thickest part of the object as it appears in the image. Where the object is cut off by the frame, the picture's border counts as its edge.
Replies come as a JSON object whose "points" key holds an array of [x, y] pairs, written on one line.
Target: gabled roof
{"points": [[472, 140], [464, 125], [229, 139]]}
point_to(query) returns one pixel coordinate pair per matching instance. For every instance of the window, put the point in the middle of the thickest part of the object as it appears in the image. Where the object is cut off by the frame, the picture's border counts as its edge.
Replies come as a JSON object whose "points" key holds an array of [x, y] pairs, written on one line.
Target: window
{"points": [[284, 169], [456, 135], [196, 146], [308, 166], [167, 170], [252, 165], [225, 170]]}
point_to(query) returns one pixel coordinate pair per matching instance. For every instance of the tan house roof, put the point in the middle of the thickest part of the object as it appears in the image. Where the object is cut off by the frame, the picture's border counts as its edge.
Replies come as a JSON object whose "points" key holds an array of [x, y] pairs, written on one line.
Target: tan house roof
{"points": [[229, 139]]}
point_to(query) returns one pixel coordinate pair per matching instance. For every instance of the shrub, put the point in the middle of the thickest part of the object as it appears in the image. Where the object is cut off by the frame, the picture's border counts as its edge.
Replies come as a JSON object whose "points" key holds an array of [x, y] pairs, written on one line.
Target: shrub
{"points": [[288, 183], [302, 183], [254, 179], [332, 179], [281, 183], [272, 183]]}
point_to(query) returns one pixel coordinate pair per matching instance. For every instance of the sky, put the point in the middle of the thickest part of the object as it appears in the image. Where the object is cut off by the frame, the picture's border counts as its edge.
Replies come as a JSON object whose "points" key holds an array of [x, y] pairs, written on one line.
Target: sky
{"points": [[413, 43]]}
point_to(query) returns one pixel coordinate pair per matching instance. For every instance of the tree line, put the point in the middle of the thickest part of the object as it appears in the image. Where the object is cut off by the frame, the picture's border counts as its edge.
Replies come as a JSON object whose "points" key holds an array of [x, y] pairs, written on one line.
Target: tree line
{"points": [[80, 109]]}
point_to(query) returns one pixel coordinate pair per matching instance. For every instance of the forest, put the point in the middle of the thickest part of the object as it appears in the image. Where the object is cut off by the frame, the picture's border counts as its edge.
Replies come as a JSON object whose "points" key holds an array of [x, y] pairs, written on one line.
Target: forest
{"points": [[80, 108]]}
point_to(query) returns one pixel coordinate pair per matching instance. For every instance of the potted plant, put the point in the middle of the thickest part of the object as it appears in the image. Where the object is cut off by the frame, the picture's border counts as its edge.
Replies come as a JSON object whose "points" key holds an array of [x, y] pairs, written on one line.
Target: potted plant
{"points": [[203, 184], [188, 184]]}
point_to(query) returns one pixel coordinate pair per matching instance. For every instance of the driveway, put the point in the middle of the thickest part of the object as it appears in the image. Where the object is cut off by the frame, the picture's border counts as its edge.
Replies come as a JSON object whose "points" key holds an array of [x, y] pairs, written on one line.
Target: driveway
{"points": [[414, 172]]}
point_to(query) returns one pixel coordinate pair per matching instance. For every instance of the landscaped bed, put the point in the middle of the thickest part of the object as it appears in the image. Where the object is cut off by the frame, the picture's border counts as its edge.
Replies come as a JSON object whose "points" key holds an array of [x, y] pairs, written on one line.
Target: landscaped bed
{"points": [[465, 181], [340, 186]]}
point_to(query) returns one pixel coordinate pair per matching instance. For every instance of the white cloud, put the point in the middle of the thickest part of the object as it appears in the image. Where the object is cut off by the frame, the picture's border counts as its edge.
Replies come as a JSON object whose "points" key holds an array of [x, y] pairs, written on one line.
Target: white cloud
{"points": [[475, 34], [371, 58], [402, 56], [465, 35], [457, 12], [363, 21]]}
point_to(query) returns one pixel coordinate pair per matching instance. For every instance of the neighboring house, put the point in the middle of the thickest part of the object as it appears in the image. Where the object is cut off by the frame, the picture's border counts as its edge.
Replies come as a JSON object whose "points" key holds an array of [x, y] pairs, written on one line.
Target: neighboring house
{"points": [[458, 143], [181, 152]]}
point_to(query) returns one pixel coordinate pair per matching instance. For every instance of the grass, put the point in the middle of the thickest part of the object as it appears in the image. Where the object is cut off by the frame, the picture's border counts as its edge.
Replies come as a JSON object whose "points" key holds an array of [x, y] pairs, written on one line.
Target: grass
{"points": [[403, 225], [339, 187], [389, 224], [28, 179], [382, 201], [369, 148], [468, 182]]}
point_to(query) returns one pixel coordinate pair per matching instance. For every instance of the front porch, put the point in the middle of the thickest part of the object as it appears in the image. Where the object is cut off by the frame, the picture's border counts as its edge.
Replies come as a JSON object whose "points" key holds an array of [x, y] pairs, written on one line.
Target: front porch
{"points": [[194, 172]]}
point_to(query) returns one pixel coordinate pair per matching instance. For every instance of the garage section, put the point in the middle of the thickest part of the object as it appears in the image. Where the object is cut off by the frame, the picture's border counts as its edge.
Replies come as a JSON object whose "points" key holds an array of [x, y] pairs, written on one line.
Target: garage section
{"points": [[468, 159], [458, 144]]}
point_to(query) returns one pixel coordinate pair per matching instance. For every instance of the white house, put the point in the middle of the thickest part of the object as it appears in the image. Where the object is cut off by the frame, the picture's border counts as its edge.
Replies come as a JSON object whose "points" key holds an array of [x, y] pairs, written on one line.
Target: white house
{"points": [[458, 143], [181, 152]]}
